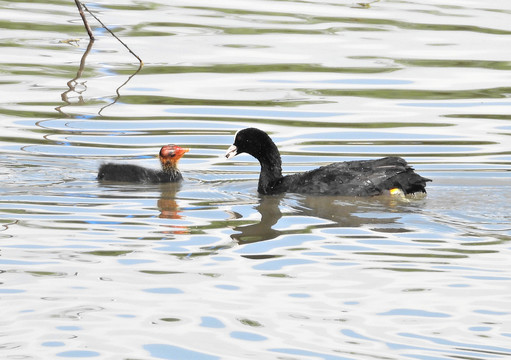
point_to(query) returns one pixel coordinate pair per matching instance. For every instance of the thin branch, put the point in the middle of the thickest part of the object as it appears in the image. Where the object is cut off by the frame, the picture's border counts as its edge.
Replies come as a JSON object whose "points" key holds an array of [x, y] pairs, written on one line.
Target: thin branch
{"points": [[85, 23], [74, 82], [115, 36]]}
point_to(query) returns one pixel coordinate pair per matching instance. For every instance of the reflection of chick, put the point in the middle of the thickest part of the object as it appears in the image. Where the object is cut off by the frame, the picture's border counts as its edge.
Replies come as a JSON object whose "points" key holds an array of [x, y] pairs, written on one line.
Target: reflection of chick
{"points": [[169, 157], [169, 209], [167, 203]]}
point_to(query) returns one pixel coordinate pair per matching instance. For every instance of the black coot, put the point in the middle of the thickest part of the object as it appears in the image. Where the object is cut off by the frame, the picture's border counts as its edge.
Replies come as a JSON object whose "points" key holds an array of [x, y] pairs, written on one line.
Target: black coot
{"points": [[169, 157], [350, 178]]}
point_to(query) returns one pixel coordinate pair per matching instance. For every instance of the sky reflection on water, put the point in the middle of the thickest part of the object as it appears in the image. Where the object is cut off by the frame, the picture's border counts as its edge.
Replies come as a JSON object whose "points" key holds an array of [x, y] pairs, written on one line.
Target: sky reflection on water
{"points": [[208, 269]]}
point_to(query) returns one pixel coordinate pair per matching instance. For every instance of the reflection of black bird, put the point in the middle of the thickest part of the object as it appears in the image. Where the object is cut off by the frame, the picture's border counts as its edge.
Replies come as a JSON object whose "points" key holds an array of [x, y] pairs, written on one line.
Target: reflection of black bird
{"points": [[270, 212], [337, 211], [169, 157], [351, 178]]}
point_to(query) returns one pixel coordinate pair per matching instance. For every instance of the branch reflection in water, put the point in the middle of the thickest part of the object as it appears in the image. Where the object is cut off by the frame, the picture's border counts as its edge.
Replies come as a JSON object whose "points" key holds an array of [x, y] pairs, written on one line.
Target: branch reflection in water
{"points": [[117, 91], [337, 211], [73, 84], [80, 87]]}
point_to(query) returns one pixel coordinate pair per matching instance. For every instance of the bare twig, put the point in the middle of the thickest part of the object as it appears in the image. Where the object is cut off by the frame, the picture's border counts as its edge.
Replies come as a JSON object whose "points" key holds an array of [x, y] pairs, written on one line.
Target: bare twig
{"points": [[115, 36], [73, 82], [85, 23]]}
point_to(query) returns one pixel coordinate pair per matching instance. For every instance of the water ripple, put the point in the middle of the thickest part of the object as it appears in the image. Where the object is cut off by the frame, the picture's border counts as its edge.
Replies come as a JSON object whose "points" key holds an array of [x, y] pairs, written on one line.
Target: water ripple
{"points": [[208, 269]]}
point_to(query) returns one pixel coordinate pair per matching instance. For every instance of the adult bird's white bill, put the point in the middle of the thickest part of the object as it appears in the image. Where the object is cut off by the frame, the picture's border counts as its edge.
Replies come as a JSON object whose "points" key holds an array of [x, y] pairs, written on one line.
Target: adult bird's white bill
{"points": [[231, 152]]}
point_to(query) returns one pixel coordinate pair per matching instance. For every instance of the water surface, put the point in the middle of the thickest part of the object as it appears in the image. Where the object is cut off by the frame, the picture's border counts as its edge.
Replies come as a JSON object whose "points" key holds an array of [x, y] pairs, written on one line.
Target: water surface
{"points": [[207, 269]]}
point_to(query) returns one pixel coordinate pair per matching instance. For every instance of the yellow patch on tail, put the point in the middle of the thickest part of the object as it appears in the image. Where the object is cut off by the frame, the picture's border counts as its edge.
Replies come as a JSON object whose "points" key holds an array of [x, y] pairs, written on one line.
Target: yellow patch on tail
{"points": [[396, 191]]}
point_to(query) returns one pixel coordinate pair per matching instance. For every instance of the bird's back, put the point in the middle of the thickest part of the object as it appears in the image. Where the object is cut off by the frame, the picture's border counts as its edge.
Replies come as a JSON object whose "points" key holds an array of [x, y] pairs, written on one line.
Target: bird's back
{"points": [[127, 173], [357, 178]]}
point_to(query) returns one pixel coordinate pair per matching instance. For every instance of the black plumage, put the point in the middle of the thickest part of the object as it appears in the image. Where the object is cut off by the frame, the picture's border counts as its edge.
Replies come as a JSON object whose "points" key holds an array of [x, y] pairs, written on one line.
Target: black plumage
{"points": [[351, 178]]}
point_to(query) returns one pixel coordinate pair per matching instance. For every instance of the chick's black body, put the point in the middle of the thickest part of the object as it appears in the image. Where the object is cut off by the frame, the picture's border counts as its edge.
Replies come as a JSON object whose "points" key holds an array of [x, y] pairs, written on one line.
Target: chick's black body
{"points": [[169, 157], [351, 178], [136, 174]]}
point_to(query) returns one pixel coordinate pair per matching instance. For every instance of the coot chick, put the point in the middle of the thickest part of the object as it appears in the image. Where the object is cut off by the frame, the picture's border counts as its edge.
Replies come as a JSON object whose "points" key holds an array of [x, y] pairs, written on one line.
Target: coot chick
{"points": [[169, 157], [350, 178]]}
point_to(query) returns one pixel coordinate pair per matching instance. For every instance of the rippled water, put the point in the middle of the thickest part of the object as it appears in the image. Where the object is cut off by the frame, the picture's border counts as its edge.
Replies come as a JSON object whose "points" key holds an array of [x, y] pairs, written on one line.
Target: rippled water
{"points": [[210, 270]]}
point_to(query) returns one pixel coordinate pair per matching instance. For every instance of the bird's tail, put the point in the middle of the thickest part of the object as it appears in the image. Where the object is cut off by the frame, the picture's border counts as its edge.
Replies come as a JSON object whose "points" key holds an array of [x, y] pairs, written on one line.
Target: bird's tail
{"points": [[410, 182]]}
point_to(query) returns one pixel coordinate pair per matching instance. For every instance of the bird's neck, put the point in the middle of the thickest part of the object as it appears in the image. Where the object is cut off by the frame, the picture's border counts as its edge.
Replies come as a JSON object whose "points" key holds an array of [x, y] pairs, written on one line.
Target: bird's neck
{"points": [[271, 172], [170, 168]]}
